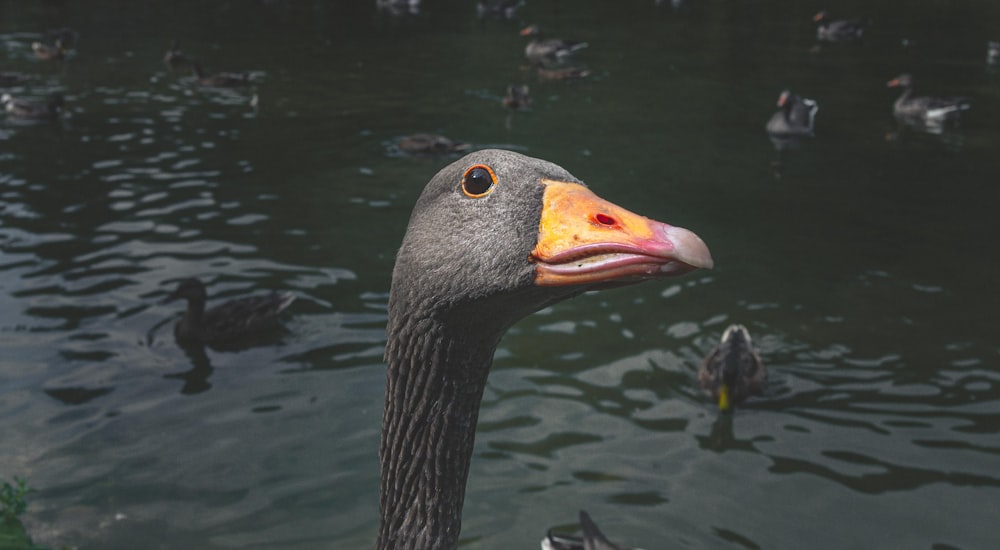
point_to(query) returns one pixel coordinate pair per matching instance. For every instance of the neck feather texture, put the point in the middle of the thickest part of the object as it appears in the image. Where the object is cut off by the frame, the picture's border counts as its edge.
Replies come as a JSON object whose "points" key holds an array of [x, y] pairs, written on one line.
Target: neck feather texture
{"points": [[435, 381]]}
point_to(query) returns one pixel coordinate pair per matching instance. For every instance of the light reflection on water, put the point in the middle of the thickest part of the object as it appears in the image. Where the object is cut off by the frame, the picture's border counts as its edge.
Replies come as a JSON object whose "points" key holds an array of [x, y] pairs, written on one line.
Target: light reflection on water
{"points": [[862, 273]]}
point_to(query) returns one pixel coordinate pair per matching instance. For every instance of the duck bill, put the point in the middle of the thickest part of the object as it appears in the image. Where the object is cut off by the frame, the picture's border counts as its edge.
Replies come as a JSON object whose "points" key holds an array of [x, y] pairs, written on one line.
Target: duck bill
{"points": [[725, 401], [892, 83], [586, 240]]}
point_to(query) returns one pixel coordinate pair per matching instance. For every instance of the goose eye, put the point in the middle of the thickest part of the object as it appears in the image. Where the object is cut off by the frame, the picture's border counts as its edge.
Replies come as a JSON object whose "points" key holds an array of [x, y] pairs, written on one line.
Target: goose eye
{"points": [[478, 181]]}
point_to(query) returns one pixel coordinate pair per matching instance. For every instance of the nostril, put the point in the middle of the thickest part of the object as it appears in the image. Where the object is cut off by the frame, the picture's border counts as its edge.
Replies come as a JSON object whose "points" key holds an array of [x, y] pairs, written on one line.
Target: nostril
{"points": [[604, 219]]}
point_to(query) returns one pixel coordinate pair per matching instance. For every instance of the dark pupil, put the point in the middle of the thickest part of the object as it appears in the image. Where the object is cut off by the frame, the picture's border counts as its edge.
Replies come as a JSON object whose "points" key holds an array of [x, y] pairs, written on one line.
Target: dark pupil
{"points": [[478, 181]]}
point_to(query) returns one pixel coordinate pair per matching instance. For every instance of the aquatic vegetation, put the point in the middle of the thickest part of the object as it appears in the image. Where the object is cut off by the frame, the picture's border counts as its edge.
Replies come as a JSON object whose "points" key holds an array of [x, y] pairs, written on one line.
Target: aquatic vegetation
{"points": [[12, 504]]}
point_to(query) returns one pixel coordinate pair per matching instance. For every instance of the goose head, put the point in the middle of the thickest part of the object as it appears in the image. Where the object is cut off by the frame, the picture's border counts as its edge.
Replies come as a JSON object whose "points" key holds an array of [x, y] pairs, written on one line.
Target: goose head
{"points": [[493, 237]]}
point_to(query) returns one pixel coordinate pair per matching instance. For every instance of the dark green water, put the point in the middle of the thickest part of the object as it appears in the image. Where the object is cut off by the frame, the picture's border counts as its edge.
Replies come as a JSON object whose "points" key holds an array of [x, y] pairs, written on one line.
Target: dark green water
{"points": [[865, 273]]}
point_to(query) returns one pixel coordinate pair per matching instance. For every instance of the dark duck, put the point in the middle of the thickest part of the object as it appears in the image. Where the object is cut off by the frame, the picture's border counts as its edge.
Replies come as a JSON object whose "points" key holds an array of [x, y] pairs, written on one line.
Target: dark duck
{"points": [[430, 144], [29, 109], [548, 51], [732, 371], [592, 538], [518, 97], [175, 58], [8, 79], [505, 10], [493, 237], [218, 80], [829, 29], [926, 113], [228, 323], [46, 52]]}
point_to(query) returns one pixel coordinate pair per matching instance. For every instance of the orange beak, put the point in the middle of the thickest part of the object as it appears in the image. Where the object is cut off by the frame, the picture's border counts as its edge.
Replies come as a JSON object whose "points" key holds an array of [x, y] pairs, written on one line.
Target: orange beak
{"points": [[585, 240], [892, 83]]}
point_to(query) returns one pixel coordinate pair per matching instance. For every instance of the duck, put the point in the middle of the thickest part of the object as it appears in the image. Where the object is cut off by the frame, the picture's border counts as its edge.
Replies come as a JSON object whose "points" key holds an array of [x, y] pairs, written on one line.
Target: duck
{"points": [[46, 52], [927, 113], [505, 10], [493, 237], [228, 322], [24, 108], [548, 51], [398, 7], [175, 58], [592, 539], [218, 80], [732, 371], [430, 144], [796, 117], [563, 73], [8, 79], [837, 30], [517, 97]]}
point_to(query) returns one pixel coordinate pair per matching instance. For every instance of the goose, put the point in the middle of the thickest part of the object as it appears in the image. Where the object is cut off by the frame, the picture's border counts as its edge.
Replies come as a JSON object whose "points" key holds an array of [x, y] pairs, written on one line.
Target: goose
{"points": [[493, 237], [927, 113], [517, 97], [47, 53], [218, 80], [732, 371], [225, 323], [837, 30], [24, 108], [548, 51], [795, 118], [592, 539]]}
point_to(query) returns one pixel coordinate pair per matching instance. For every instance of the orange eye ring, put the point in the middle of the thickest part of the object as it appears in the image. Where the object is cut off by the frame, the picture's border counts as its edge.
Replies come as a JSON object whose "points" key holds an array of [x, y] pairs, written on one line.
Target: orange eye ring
{"points": [[478, 181]]}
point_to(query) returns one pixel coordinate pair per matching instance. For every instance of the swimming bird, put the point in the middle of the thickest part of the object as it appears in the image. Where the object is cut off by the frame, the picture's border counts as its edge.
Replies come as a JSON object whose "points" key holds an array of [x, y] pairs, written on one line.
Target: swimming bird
{"points": [[8, 79], [993, 52], [46, 52], [732, 371], [228, 322], [175, 58], [837, 30], [927, 113], [795, 118], [218, 80], [493, 237], [548, 51], [430, 144], [563, 73], [25, 108], [398, 7], [517, 97], [498, 9], [592, 539]]}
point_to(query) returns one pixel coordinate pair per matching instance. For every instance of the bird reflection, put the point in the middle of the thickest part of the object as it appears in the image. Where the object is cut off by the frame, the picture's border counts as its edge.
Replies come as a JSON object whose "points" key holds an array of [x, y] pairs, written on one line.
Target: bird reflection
{"points": [[196, 378], [591, 539], [722, 438]]}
